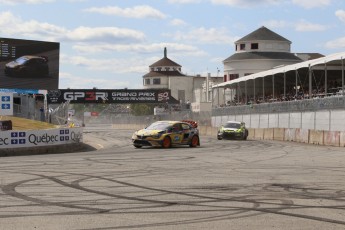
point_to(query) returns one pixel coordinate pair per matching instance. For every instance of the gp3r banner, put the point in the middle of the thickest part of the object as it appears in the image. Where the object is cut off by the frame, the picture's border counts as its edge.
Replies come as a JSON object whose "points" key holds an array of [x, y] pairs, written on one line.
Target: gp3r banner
{"points": [[126, 96]]}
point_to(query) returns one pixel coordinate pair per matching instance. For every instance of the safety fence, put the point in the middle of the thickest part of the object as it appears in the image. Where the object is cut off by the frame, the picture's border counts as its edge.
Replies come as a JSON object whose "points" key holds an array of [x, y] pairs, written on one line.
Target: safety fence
{"points": [[315, 104], [314, 114], [28, 108]]}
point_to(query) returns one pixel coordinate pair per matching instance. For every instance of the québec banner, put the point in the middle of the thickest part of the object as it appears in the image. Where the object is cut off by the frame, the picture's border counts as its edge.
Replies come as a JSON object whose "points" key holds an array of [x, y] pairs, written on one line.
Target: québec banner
{"points": [[36, 138], [125, 96]]}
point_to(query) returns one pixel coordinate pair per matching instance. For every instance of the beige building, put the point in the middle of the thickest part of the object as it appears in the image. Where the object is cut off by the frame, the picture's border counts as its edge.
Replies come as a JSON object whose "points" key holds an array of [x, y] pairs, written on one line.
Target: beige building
{"points": [[167, 74], [258, 51]]}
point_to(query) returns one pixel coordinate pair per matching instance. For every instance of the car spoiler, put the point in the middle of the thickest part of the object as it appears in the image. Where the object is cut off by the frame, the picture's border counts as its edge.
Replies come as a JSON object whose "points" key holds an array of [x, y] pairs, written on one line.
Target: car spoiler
{"points": [[194, 124]]}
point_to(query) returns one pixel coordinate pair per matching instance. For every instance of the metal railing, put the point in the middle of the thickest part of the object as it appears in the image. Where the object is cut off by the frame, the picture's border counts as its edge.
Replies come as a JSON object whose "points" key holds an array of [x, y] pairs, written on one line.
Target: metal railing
{"points": [[316, 104]]}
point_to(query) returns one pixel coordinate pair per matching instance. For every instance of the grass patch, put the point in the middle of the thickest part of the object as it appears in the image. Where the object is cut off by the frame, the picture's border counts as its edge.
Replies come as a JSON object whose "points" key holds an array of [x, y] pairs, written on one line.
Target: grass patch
{"points": [[19, 123]]}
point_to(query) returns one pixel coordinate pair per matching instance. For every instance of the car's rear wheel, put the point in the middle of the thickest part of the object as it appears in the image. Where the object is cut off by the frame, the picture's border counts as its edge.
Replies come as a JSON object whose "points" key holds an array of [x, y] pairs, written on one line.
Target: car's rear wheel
{"points": [[244, 136], [246, 133], [194, 142], [219, 136], [166, 142], [138, 146]]}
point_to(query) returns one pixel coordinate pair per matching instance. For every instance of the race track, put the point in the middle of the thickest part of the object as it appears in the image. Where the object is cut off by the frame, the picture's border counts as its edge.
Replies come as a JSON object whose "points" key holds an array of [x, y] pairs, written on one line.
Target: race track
{"points": [[224, 184]]}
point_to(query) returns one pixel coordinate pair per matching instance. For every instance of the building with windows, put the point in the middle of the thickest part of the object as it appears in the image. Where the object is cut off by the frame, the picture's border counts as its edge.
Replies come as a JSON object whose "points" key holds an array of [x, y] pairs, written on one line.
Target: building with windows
{"points": [[258, 51], [167, 74], [264, 70]]}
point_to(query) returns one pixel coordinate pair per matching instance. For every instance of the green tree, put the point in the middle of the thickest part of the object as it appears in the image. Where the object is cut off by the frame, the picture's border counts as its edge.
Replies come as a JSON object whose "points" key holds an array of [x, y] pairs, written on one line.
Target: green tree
{"points": [[141, 109]]}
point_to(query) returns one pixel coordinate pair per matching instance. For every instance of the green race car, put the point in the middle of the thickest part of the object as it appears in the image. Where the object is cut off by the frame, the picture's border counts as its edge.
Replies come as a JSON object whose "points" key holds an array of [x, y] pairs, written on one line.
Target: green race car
{"points": [[233, 130]]}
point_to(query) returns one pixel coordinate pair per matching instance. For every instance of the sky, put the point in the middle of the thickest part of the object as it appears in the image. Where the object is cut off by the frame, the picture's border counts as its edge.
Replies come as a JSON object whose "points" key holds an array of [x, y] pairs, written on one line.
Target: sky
{"points": [[110, 44]]}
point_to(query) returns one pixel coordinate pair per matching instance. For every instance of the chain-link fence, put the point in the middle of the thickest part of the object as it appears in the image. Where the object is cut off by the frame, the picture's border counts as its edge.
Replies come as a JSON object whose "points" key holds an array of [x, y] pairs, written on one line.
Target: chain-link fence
{"points": [[203, 118], [29, 107], [58, 115], [247, 112]]}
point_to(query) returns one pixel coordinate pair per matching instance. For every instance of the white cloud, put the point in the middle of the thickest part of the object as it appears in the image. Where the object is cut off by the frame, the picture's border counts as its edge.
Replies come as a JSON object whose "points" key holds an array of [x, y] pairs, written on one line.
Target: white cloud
{"points": [[13, 25], [244, 3], [305, 26], [341, 15], [311, 3], [181, 49], [84, 82], [105, 34], [276, 24], [205, 36], [143, 11], [16, 2], [33, 29], [302, 25], [178, 22], [108, 65], [184, 1], [336, 44]]}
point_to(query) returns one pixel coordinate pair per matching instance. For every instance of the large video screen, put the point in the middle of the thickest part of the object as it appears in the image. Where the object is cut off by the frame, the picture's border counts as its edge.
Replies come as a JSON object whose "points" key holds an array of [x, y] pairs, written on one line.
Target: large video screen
{"points": [[29, 64]]}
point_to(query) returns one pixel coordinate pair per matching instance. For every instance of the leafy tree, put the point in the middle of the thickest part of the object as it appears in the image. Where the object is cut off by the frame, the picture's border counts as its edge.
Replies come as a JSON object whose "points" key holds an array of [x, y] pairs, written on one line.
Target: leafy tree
{"points": [[142, 109]]}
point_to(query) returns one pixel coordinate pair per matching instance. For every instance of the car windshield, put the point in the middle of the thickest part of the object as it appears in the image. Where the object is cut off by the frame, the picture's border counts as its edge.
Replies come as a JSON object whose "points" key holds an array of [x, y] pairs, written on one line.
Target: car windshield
{"points": [[159, 126], [21, 60], [232, 125]]}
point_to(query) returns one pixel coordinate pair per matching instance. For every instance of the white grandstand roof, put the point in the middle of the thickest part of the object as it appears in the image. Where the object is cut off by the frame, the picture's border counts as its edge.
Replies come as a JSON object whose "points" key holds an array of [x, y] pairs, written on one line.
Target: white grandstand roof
{"points": [[334, 58]]}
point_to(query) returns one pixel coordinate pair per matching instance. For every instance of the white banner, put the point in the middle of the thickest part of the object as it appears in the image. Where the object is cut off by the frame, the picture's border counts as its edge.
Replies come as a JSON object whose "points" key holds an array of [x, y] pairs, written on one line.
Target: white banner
{"points": [[36, 138], [6, 104]]}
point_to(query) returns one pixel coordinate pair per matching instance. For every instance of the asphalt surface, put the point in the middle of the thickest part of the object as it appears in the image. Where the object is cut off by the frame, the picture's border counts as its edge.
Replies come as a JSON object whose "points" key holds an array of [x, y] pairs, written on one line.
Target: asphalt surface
{"points": [[224, 184]]}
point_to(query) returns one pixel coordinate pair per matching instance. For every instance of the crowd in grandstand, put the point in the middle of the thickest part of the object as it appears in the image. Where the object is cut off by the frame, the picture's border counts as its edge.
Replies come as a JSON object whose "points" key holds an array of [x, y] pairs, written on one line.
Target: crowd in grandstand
{"points": [[291, 95]]}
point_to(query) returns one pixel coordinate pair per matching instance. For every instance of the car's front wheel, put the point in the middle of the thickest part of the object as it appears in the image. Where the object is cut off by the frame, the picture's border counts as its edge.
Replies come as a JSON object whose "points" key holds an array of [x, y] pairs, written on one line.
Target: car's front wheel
{"points": [[166, 142], [138, 146]]}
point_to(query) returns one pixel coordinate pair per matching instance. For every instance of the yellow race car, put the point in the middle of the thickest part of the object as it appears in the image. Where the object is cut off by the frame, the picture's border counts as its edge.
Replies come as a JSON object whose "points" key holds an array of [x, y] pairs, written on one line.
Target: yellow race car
{"points": [[168, 133]]}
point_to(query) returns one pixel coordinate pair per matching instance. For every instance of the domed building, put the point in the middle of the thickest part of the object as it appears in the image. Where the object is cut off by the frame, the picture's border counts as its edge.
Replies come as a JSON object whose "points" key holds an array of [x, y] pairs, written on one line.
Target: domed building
{"points": [[161, 72], [258, 51]]}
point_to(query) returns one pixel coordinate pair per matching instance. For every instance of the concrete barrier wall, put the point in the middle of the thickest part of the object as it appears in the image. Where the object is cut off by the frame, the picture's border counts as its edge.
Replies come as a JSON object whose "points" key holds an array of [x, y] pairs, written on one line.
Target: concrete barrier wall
{"points": [[302, 135], [331, 138], [268, 134], [259, 134], [279, 134], [289, 135], [342, 139], [251, 133], [316, 137]]}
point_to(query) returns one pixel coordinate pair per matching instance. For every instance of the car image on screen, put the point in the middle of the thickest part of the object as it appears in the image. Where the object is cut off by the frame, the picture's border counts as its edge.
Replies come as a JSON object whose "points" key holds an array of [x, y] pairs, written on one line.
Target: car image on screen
{"points": [[28, 66]]}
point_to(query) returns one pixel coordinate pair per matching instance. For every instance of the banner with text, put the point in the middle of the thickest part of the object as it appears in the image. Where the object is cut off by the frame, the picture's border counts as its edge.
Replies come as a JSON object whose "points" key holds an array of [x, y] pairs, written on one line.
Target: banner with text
{"points": [[36, 138], [127, 96]]}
